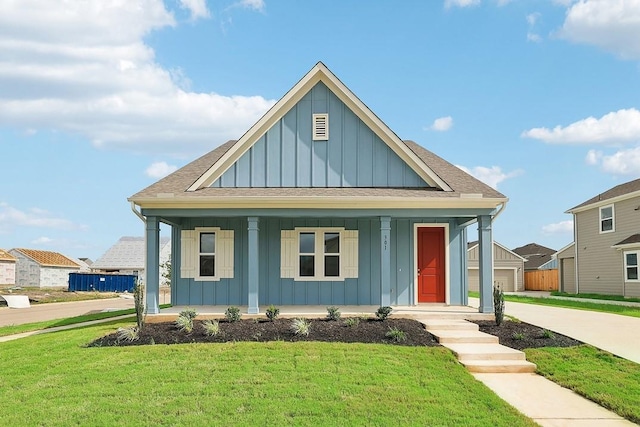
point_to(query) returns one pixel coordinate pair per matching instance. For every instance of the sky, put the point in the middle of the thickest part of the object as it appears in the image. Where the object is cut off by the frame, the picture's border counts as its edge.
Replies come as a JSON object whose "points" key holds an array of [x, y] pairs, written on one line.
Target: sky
{"points": [[99, 99]]}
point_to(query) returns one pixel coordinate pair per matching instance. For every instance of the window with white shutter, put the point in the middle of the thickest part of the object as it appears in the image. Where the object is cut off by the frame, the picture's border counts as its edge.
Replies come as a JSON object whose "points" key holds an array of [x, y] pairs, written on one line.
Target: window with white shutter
{"points": [[207, 254]]}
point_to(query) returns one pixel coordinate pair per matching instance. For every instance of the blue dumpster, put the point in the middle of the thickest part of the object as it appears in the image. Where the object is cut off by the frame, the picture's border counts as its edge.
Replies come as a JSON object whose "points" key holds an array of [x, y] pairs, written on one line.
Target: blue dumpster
{"points": [[101, 282]]}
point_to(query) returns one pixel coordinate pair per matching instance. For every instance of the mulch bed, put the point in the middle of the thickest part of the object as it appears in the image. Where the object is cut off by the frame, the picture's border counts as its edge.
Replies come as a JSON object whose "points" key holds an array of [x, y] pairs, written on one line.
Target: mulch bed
{"points": [[520, 335], [366, 331]]}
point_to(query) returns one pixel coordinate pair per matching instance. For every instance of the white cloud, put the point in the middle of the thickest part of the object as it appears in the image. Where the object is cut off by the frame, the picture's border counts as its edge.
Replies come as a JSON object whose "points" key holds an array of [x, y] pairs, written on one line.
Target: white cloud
{"points": [[41, 241], [460, 3], [257, 5], [613, 25], [160, 170], [197, 8], [84, 68], [623, 162], [562, 227], [532, 20], [442, 124], [11, 218], [491, 176], [617, 127]]}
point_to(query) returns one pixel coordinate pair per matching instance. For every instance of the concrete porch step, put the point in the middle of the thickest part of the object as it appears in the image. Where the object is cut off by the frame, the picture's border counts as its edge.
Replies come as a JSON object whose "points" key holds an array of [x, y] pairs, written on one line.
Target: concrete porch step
{"points": [[447, 336], [449, 325], [470, 352], [499, 366]]}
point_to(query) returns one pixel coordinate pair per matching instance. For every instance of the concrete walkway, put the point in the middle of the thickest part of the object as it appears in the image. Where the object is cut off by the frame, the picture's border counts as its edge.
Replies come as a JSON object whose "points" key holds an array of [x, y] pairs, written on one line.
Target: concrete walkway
{"points": [[614, 333], [61, 310]]}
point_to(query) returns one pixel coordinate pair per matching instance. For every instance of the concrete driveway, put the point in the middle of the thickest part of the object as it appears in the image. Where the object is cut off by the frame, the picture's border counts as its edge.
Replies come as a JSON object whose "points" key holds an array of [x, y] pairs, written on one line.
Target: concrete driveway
{"points": [[614, 333], [60, 310]]}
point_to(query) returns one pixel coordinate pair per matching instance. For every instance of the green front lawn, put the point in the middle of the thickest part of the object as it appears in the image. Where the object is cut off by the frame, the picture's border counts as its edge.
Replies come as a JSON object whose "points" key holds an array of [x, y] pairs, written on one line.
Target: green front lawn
{"points": [[595, 296], [606, 379], [53, 380]]}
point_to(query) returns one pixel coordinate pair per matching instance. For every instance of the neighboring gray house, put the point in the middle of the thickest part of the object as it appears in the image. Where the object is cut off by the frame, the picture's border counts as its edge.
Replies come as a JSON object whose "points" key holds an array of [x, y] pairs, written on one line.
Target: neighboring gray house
{"points": [[127, 256], [607, 242], [567, 269], [7, 268], [537, 257], [42, 269], [508, 268]]}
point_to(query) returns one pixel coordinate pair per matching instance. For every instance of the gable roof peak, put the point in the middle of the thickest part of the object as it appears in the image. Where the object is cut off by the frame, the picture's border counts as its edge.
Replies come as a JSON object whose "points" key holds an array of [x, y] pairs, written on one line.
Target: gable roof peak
{"points": [[619, 191], [319, 73]]}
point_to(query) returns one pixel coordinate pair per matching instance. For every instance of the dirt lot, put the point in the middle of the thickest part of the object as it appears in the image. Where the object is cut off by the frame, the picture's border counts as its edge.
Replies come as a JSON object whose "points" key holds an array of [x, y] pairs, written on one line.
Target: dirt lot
{"points": [[40, 296]]}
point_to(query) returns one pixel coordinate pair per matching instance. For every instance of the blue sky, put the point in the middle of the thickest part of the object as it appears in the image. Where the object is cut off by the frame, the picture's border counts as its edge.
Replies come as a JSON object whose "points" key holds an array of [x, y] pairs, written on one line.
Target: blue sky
{"points": [[538, 98]]}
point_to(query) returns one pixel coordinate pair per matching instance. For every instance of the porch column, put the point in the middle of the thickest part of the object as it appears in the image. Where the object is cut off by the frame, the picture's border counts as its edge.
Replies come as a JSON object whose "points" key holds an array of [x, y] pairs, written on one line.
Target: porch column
{"points": [[485, 263], [253, 262], [152, 265], [385, 261]]}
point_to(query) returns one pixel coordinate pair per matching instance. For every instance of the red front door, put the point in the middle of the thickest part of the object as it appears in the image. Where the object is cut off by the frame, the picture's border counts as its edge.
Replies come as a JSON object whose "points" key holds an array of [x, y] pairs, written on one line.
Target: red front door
{"points": [[431, 264]]}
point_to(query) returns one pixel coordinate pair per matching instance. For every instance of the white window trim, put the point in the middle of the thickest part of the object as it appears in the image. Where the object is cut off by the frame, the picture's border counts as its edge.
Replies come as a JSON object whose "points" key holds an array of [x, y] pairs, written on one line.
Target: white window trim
{"points": [[216, 270], [613, 219], [637, 266], [290, 254]]}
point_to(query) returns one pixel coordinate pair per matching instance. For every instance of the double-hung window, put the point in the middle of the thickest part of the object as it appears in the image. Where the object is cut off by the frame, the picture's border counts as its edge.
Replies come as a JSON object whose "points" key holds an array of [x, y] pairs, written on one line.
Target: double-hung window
{"points": [[207, 254], [607, 219], [319, 254], [631, 266]]}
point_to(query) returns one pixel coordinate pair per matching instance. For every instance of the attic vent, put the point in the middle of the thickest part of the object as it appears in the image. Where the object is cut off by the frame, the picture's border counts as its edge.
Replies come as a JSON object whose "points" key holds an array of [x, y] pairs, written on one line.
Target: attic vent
{"points": [[320, 127]]}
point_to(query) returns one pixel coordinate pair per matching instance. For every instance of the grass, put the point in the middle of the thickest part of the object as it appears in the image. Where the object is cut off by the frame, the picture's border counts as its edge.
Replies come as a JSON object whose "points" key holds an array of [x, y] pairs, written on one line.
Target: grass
{"points": [[595, 296], [36, 326], [53, 380], [577, 304], [608, 380]]}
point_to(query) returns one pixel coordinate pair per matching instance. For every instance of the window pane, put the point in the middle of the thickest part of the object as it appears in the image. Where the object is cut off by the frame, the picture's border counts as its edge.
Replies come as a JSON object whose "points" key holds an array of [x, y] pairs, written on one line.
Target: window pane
{"points": [[207, 265], [632, 259], [606, 212], [331, 266], [332, 243], [607, 225], [307, 266], [632, 273], [307, 243], [207, 243]]}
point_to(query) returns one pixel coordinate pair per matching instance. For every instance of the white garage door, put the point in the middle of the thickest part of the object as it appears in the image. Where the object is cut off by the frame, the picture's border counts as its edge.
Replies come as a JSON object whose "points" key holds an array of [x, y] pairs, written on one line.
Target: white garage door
{"points": [[502, 277]]}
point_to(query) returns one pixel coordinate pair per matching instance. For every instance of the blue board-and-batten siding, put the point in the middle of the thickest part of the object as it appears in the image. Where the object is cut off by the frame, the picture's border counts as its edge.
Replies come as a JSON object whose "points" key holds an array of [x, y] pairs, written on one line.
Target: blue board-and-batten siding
{"points": [[286, 155], [364, 290]]}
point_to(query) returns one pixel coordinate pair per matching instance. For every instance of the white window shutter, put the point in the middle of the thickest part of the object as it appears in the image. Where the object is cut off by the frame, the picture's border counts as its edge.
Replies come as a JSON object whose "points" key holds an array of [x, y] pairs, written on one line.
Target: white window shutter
{"points": [[224, 254], [350, 254], [188, 254], [288, 253]]}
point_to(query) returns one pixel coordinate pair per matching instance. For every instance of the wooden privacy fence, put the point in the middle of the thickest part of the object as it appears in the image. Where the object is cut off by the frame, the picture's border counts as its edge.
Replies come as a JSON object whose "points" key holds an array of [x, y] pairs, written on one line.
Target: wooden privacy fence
{"points": [[541, 280]]}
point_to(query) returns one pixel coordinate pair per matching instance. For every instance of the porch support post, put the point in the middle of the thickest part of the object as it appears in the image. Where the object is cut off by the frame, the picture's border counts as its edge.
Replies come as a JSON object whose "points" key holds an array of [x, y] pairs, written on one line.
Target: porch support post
{"points": [[152, 265], [253, 262], [485, 255], [385, 261]]}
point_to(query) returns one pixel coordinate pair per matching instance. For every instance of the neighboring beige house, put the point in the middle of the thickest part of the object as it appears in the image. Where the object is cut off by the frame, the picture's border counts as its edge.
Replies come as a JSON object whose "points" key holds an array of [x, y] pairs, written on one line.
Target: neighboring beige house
{"points": [[607, 243], [7, 268], [508, 268], [42, 269]]}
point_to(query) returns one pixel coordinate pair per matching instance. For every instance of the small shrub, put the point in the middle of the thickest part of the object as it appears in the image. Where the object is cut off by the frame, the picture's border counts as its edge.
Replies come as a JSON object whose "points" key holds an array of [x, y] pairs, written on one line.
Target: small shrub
{"points": [[232, 314], [498, 304], [211, 327], [188, 312], [184, 323], [519, 336], [272, 312], [352, 321], [363, 317], [397, 335], [333, 313], [138, 301], [301, 326], [548, 334], [128, 334], [383, 312]]}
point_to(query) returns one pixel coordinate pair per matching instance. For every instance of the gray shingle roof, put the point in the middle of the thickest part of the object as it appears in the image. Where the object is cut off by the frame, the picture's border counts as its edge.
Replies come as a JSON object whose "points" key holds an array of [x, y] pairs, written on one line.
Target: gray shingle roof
{"points": [[178, 182], [618, 190], [535, 254], [127, 254], [634, 238]]}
